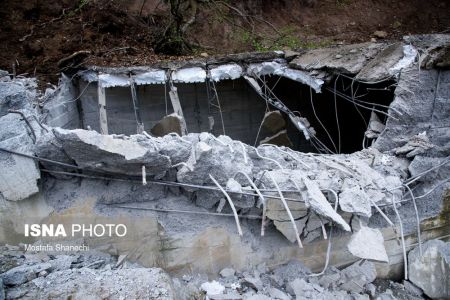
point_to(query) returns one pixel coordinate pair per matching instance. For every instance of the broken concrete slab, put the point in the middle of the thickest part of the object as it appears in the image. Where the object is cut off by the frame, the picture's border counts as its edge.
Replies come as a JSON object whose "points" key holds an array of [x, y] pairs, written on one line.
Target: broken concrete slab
{"points": [[286, 228], [111, 153], [17, 94], [354, 199], [368, 243], [19, 175], [379, 67], [355, 277], [416, 145], [24, 273], [349, 59], [168, 124], [431, 271]]}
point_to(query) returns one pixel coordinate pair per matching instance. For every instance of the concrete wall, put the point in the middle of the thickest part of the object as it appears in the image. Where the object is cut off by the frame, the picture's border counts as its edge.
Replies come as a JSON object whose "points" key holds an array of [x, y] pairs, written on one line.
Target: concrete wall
{"points": [[62, 110], [242, 108]]}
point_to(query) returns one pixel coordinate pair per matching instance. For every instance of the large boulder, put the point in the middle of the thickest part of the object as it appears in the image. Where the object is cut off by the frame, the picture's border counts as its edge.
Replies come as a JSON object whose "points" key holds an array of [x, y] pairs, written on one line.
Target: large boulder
{"points": [[431, 270]]}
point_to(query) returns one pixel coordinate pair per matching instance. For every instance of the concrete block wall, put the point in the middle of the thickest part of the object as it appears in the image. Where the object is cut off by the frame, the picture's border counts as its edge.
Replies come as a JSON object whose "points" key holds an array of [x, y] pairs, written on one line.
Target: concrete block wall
{"points": [[242, 108]]}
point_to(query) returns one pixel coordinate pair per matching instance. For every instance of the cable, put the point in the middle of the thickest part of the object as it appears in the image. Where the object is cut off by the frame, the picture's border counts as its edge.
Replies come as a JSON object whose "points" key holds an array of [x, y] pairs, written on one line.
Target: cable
{"points": [[337, 118], [320, 122]]}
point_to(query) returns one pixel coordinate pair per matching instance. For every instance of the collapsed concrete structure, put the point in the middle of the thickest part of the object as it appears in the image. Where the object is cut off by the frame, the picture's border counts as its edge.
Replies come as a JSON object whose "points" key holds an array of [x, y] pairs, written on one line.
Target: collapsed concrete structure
{"points": [[178, 152]]}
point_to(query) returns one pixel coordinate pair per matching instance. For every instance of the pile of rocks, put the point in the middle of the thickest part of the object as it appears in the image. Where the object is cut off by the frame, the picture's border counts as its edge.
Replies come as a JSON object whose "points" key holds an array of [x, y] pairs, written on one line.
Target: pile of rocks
{"points": [[81, 276]]}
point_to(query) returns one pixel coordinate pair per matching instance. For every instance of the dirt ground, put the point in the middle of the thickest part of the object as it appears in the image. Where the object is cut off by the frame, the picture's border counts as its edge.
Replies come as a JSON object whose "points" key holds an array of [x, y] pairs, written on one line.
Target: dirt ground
{"points": [[37, 36]]}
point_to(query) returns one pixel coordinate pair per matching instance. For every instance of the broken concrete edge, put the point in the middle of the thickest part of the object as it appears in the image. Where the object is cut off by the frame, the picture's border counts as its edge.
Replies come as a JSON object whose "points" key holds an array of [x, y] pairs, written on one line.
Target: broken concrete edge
{"points": [[367, 62]]}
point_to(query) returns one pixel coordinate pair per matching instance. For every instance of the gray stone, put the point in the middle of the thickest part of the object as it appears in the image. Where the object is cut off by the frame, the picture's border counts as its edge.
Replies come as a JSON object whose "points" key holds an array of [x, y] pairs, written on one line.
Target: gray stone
{"points": [[110, 153], [252, 282], [19, 175], [277, 294], [62, 262], [431, 271], [287, 229], [368, 243], [227, 272], [16, 94], [387, 295], [412, 288], [290, 271], [24, 273], [169, 124], [356, 276], [215, 159], [301, 289], [378, 68], [329, 280], [353, 199]]}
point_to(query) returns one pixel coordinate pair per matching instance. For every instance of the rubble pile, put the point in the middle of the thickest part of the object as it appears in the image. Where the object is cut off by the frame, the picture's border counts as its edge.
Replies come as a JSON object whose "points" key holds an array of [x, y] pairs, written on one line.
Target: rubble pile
{"points": [[36, 275]]}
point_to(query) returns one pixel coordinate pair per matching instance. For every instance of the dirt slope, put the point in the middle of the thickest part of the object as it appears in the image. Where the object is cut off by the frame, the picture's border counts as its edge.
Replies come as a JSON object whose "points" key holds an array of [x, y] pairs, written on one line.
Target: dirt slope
{"points": [[36, 35]]}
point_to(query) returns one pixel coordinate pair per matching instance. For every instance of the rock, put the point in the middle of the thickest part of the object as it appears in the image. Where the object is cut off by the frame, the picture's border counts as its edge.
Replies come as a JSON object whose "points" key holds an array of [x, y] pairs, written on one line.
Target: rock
{"points": [[16, 94], [387, 295], [23, 273], [169, 124], [227, 272], [228, 296], [273, 121], [277, 212], [431, 271], [368, 243], [380, 34], [19, 175], [301, 289], [287, 229], [111, 153], [416, 145], [320, 204], [290, 271], [329, 280], [354, 199], [412, 288], [356, 276], [279, 139], [212, 288], [252, 282], [62, 262], [277, 294], [375, 126], [215, 159]]}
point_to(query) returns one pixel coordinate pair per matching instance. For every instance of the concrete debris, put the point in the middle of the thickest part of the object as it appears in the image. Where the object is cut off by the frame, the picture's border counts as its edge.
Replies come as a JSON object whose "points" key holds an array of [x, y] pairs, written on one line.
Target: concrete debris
{"points": [[277, 294], [18, 94], [169, 124], [368, 243], [24, 273], [78, 276], [112, 153], [355, 277], [431, 271], [418, 144], [212, 288], [375, 127], [19, 175], [354, 199], [352, 58]]}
